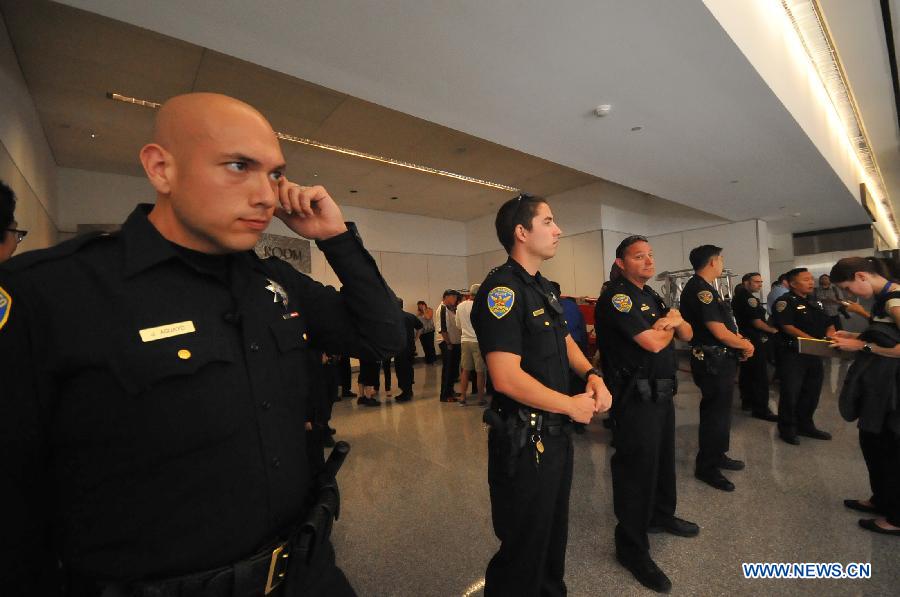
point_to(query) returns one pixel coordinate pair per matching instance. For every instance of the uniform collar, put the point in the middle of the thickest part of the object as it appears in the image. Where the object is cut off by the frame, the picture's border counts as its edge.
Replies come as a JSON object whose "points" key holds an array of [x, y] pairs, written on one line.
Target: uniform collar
{"points": [[146, 247], [523, 273], [631, 285]]}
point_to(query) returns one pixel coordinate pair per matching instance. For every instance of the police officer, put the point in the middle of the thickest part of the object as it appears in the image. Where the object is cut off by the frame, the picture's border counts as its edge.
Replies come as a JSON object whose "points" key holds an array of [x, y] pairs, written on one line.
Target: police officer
{"points": [[750, 315], [155, 381], [716, 348], [635, 333], [798, 314], [528, 350]]}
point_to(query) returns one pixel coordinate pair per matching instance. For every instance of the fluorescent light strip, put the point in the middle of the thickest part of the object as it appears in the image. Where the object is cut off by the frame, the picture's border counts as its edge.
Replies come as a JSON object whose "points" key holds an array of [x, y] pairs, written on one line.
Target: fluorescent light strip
{"points": [[806, 19], [344, 150]]}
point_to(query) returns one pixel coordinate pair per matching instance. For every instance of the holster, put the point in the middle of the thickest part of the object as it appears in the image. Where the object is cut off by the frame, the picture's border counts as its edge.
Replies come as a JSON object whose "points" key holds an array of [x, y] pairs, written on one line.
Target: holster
{"points": [[713, 357], [513, 429]]}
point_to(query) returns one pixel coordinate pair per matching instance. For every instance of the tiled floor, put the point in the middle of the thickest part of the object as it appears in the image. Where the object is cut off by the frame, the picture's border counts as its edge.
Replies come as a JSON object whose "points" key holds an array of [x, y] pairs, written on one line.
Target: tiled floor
{"points": [[416, 516]]}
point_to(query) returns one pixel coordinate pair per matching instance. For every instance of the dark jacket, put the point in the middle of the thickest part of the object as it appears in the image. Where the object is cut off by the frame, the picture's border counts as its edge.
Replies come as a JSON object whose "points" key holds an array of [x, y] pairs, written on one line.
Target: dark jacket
{"points": [[870, 388]]}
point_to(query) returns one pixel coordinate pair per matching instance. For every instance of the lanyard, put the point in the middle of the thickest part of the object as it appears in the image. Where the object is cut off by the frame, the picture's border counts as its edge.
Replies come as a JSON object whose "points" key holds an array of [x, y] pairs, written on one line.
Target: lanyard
{"points": [[884, 290]]}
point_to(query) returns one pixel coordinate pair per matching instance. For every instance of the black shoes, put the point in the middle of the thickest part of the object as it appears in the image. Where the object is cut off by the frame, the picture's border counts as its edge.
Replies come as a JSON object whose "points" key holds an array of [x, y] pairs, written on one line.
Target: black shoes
{"points": [[814, 433], [765, 416], [648, 574], [789, 439], [869, 525], [730, 464], [363, 401], [403, 397], [715, 479], [675, 526], [860, 507]]}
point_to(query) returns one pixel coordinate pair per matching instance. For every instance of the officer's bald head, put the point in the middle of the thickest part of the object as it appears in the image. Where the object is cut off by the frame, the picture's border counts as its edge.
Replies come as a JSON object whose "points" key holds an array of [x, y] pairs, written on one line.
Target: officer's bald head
{"points": [[215, 163]]}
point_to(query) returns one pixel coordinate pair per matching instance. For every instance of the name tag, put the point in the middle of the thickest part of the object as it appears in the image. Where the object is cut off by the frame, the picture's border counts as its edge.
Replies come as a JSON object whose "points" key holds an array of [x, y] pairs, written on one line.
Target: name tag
{"points": [[538, 312], [801, 307], [167, 331]]}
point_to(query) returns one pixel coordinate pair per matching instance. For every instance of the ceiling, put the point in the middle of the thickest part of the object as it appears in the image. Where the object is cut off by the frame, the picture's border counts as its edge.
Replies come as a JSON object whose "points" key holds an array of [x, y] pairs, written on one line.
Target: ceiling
{"points": [[71, 59], [455, 86]]}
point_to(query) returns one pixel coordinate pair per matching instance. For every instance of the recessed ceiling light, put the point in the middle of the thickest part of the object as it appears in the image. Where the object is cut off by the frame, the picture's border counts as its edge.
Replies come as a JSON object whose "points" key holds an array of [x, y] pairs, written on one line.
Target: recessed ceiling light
{"points": [[352, 190], [93, 135], [636, 128], [796, 214], [393, 198]]}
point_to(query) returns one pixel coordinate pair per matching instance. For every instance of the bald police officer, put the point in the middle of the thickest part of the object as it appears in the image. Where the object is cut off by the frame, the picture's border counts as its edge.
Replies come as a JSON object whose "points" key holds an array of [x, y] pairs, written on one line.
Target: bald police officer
{"points": [[529, 352], [155, 381], [799, 315], [635, 335], [716, 348]]}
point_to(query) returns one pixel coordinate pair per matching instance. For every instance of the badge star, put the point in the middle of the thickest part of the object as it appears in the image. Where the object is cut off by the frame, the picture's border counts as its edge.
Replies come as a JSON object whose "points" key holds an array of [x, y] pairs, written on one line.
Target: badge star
{"points": [[278, 292]]}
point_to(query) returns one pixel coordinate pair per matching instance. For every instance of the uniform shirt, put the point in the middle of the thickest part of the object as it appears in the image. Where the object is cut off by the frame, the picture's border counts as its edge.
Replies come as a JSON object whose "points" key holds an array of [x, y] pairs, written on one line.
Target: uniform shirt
{"points": [[519, 313], [464, 321], [153, 399], [804, 313], [747, 307], [700, 303], [622, 312]]}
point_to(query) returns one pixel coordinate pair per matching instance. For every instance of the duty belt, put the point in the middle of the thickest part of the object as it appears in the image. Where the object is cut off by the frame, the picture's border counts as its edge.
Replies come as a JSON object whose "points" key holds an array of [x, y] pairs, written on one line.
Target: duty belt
{"points": [[701, 351]]}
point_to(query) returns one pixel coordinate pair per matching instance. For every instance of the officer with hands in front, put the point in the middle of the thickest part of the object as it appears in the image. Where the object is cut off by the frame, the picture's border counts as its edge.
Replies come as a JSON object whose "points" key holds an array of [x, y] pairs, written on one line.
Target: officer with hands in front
{"points": [[635, 333], [528, 350], [716, 349]]}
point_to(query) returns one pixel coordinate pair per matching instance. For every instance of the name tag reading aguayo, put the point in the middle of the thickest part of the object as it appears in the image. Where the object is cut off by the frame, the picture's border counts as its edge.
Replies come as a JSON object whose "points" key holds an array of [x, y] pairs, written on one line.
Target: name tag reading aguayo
{"points": [[167, 331]]}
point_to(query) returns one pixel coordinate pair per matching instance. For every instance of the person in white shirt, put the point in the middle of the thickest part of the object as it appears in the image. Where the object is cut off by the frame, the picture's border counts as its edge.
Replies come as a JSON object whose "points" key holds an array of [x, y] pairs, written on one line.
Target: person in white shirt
{"points": [[446, 327], [470, 359]]}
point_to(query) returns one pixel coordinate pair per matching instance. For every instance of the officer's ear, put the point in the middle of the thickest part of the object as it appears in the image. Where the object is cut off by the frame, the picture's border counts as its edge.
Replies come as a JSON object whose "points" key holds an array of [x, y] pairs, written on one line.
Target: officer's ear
{"points": [[620, 262], [159, 166], [520, 233]]}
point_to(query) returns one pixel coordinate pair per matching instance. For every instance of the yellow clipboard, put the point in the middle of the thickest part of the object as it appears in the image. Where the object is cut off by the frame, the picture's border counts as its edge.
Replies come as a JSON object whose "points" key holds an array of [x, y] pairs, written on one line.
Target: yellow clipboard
{"points": [[821, 348]]}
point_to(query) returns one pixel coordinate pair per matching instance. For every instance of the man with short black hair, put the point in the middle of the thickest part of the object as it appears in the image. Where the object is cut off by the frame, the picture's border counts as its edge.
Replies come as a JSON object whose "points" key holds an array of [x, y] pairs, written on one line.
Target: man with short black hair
{"points": [[635, 335], [529, 352], [751, 320], [779, 289], [716, 349], [799, 315]]}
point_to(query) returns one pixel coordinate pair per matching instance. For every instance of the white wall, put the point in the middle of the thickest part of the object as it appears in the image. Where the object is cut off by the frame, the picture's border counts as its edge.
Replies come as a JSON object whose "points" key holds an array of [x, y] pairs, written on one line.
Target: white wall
{"points": [[419, 257], [26, 163]]}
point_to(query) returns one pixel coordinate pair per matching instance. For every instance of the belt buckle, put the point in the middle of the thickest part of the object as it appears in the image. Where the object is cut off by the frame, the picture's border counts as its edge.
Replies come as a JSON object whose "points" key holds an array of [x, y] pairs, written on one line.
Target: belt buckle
{"points": [[277, 568]]}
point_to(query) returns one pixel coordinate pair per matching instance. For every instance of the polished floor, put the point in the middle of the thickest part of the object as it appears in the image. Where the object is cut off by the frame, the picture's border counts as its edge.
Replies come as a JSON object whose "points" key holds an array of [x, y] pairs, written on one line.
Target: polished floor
{"points": [[416, 516]]}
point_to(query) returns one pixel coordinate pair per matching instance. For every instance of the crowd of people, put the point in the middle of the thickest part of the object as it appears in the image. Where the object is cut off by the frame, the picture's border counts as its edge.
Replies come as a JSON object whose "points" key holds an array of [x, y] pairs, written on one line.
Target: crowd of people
{"points": [[151, 425]]}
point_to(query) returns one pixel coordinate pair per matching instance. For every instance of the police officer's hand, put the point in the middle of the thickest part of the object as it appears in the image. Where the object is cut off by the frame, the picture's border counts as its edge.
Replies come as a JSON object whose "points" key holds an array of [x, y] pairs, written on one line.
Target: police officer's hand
{"points": [[747, 349], [582, 407], [309, 211], [602, 397]]}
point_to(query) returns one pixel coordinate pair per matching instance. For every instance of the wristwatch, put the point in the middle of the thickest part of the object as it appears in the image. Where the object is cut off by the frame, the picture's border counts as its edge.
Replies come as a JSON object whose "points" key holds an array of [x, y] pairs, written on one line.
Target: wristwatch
{"points": [[592, 371], [867, 348]]}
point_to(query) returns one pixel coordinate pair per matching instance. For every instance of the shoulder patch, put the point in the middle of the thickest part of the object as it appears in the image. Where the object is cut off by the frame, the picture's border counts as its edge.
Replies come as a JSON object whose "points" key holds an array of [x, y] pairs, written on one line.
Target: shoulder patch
{"points": [[753, 302], [5, 306], [780, 306], [622, 302], [705, 296], [500, 301]]}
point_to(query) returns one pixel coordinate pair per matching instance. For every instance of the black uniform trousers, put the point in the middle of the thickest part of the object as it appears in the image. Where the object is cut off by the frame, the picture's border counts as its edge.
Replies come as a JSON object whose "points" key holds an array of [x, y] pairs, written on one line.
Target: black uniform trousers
{"points": [[450, 359], [530, 512], [716, 392], [403, 363], [801, 384], [882, 454], [753, 380], [344, 375], [643, 466], [427, 341]]}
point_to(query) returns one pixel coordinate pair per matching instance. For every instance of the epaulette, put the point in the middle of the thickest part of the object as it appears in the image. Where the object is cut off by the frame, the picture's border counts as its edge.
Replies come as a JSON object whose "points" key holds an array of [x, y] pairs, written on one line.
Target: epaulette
{"points": [[64, 249], [498, 268]]}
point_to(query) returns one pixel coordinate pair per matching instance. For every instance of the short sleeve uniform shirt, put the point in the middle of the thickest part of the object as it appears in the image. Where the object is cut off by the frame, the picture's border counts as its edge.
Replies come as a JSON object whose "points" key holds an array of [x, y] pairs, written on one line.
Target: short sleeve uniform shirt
{"points": [[701, 303]]}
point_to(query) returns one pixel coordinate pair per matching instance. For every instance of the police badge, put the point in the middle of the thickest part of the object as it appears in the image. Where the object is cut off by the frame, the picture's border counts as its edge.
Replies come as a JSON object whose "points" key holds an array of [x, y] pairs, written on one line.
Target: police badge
{"points": [[500, 301], [753, 302], [622, 302]]}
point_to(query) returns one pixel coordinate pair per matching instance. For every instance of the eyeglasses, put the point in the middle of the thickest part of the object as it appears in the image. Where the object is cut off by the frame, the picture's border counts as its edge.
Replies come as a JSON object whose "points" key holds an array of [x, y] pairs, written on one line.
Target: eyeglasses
{"points": [[20, 234]]}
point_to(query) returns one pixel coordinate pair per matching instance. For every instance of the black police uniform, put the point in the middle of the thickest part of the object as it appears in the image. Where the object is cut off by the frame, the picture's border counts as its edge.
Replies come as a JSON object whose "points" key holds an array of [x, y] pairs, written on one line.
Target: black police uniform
{"points": [[153, 407], [754, 376], [713, 366], [530, 452], [642, 384], [801, 374]]}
